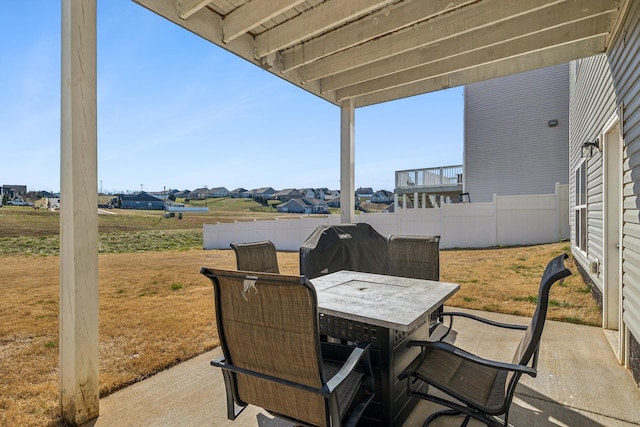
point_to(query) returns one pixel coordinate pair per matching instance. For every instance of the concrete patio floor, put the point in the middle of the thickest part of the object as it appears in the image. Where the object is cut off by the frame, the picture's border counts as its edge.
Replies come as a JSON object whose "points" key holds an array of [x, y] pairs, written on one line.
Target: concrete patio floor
{"points": [[579, 383]]}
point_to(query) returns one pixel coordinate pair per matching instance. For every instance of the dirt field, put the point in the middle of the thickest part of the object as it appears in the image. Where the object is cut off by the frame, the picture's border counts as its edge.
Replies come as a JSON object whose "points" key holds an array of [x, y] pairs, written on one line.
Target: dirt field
{"points": [[157, 310]]}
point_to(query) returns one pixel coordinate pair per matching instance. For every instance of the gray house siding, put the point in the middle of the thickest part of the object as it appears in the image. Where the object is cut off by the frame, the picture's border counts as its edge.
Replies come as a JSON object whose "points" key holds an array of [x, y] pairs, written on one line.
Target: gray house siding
{"points": [[510, 149], [600, 85], [592, 102]]}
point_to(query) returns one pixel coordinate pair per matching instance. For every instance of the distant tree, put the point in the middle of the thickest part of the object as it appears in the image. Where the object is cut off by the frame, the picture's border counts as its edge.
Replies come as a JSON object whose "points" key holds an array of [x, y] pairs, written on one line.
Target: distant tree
{"points": [[262, 200], [172, 197]]}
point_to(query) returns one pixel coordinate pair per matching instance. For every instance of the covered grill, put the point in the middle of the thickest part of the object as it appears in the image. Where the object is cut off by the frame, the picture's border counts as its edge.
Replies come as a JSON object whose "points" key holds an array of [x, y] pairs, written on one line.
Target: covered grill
{"points": [[355, 247]]}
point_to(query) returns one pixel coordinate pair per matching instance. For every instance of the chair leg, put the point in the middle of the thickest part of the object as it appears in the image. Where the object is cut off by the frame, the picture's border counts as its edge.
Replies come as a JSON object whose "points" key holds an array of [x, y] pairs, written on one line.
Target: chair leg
{"points": [[233, 410], [446, 413]]}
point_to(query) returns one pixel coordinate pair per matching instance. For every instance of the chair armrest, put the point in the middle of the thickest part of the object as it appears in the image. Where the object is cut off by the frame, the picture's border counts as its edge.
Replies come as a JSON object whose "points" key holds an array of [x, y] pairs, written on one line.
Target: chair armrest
{"points": [[446, 347], [360, 352], [451, 314]]}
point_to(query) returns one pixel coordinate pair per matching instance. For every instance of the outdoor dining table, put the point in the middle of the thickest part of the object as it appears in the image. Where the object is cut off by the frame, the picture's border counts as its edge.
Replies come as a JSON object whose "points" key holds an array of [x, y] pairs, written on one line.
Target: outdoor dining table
{"points": [[386, 311]]}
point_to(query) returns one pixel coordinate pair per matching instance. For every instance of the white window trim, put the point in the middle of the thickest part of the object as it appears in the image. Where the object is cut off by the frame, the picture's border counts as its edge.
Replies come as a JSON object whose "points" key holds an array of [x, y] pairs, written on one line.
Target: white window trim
{"points": [[579, 206]]}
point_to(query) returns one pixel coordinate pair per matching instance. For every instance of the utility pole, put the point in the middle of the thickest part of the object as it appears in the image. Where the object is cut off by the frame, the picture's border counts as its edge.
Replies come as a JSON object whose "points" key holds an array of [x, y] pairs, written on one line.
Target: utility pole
{"points": [[141, 187]]}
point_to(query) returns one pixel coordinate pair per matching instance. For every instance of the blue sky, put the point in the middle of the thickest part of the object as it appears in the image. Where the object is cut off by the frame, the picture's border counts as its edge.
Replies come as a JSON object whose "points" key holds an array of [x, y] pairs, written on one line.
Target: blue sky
{"points": [[176, 111]]}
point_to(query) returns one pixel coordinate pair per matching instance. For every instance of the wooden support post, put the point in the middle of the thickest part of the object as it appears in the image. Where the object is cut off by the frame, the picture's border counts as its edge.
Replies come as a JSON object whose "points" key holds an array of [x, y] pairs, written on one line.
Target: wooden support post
{"points": [[79, 351], [347, 160]]}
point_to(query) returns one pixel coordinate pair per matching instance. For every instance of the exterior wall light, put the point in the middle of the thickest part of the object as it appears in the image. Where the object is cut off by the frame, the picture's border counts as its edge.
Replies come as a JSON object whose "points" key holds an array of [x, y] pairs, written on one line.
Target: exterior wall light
{"points": [[587, 148]]}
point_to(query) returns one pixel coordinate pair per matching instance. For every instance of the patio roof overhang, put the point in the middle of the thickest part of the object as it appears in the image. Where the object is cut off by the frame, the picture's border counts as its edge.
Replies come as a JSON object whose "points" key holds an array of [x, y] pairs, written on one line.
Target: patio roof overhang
{"points": [[373, 51], [352, 53]]}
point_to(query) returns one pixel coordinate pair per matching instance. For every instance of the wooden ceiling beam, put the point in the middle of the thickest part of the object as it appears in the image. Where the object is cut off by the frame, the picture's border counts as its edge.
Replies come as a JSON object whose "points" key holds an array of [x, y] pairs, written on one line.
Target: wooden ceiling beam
{"points": [[330, 14], [541, 22], [454, 24], [508, 66], [509, 49], [186, 8], [253, 14], [388, 20]]}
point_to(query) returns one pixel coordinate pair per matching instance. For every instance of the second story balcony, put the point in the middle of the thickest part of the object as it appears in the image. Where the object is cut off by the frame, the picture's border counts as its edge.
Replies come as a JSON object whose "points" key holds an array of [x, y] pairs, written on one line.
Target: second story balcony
{"points": [[445, 180]]}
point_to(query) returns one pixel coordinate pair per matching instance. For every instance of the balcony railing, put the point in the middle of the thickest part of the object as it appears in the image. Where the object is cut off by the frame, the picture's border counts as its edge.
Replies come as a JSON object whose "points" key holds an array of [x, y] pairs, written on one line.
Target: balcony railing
{"points": [[429, 177]]}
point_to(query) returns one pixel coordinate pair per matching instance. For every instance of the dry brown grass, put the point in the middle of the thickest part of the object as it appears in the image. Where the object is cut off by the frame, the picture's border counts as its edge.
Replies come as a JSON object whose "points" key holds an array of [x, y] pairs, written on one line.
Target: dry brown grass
{"points": [[157, 310]]}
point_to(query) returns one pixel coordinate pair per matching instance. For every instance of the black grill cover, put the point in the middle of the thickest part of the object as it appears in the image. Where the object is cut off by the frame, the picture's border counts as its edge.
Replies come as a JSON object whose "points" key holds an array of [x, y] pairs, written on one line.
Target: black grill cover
{"points": [[355, 247]]}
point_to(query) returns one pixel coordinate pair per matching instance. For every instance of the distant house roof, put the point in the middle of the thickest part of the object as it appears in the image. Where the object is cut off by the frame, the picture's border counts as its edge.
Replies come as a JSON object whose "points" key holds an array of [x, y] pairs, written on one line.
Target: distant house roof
{"points": [[386, 193], [286, 192], [218, 190], [263, 190], [364, 190], [140, 197]]}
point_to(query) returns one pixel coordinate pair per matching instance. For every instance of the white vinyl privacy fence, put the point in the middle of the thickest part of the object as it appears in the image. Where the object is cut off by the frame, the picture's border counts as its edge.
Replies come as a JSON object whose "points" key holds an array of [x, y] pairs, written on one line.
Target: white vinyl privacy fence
{"points": [[508, 220]]}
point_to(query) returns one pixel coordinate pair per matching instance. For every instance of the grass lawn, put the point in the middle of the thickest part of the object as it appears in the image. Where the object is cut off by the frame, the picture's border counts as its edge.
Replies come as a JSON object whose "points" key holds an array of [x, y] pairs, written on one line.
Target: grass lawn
{"points": [[157, 310]]}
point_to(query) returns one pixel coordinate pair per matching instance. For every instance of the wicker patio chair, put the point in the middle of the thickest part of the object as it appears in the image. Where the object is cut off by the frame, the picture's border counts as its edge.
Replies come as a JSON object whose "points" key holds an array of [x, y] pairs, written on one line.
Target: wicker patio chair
{"points": [[417, 257], [258, 256], [273, 357], [483, 389]]}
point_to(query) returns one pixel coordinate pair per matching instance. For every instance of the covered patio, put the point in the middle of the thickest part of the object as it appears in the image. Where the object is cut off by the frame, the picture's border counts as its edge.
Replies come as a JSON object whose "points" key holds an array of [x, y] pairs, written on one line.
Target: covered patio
{"points": [[568, 391], [352, 54]]}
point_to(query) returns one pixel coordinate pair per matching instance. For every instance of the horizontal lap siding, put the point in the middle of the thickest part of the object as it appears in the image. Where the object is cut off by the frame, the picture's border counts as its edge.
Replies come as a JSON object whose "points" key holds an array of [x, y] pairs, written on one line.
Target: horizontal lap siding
{"points": [[509, 147], [592, 101], [625, 65]]}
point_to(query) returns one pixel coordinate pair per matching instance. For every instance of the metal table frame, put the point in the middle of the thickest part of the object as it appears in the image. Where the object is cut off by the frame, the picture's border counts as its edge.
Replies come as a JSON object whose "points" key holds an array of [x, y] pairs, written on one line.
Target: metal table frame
{"points": [[386, 311]]}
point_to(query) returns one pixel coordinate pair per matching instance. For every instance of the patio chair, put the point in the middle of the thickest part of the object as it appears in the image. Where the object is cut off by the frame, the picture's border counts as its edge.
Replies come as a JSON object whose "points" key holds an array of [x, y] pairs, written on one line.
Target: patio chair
{"points": [[476, 387], [273, 357], [417, 257], [257, 256], [414, 256]]}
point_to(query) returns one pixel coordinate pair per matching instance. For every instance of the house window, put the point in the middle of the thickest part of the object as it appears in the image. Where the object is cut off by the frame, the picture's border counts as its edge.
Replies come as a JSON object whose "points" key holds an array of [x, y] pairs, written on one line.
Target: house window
{"points": [[581, 208]]}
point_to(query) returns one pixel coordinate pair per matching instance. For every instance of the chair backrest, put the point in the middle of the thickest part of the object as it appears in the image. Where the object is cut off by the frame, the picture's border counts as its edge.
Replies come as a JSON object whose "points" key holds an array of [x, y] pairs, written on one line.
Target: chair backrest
{"points": [[417, 257], [554, 271], [257, 256], [268, 323]]}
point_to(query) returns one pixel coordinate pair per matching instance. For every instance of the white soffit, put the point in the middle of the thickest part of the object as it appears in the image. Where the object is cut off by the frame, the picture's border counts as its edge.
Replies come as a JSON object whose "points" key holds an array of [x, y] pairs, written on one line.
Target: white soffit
{"points": [[373, 51]]}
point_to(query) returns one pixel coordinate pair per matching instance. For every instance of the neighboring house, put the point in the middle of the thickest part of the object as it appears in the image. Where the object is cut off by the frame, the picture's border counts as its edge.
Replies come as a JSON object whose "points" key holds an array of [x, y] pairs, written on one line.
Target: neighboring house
{"points": [[516, 134], [333, 202], [217, 192], [382, 196], [13, 191], [322, 193], [162, 195], [141, 201], [200, 193], [365, 192], [184, 194], [264, 193], [287, 194], [238, 192], [604, 135], [303, 205], [309, 193]]}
